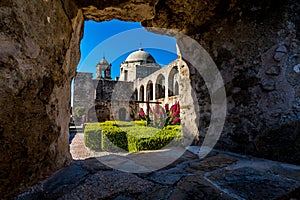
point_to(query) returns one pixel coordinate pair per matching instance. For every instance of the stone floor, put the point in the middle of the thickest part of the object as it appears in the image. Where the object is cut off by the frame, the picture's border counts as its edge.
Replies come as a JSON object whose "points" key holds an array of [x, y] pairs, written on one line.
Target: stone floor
{"points": [[78, 149], [221, 175]]}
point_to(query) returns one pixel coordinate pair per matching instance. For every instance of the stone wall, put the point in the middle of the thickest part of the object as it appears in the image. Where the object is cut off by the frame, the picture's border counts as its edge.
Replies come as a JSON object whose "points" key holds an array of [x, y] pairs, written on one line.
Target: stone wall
{"points": [[146, 69], [84, 91], [114, 90], [38, 57], [256, 51], [255, 44], [111, 96]]}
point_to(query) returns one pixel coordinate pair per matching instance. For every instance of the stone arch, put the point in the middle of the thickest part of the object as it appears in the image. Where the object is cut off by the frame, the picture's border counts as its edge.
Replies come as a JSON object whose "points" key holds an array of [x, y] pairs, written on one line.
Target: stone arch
{"points": [[176, 88], [135, 94], [141, 94], [91, 115], [70, 34], [103, 111], [123, 114], [173, 75], [160, 87], [149, 90]]}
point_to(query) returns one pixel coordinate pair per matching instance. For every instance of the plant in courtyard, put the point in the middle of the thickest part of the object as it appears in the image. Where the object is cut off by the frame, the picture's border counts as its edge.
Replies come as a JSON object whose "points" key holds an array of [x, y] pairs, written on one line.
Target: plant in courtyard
{"points": [[160, 116], [157, 116], [142, 114], [79, 112], [174, 114], [145, 116]]}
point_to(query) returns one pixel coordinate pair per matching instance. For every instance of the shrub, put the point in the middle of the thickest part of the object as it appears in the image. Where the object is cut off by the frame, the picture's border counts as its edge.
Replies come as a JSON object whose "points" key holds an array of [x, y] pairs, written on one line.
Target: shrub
{"points": [[130, 136], [79, 112], [140, 122], [157, 116], [174, 114], [105, 136], [156, 141], [93, 138]]}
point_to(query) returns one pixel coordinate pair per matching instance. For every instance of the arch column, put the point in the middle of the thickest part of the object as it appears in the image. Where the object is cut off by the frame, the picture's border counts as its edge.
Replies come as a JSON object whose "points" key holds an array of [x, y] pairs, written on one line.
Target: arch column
{"points": [[153, 89], [166, 88], [145, 93]]}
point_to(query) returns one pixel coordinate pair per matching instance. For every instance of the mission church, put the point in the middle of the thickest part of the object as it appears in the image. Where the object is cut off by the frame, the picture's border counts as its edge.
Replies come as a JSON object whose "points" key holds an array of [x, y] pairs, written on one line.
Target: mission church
{"points": [[141, 80]]}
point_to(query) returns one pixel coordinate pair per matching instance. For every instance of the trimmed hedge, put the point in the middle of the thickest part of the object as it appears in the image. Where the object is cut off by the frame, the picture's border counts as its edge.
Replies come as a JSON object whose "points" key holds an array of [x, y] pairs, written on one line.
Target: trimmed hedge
{"points": [[157, 141], [140, 122], [93, 139], [104, 136], [129, 136]]}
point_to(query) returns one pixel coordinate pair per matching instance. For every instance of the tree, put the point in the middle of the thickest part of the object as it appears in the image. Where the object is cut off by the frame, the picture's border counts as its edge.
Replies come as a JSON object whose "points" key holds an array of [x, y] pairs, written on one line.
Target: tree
{"points": [[79, 111]]}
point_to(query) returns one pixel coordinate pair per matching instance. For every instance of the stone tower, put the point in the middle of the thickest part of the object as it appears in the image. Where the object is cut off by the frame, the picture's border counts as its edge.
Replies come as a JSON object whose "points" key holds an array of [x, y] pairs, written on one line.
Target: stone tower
{"points": [[103, 69]]}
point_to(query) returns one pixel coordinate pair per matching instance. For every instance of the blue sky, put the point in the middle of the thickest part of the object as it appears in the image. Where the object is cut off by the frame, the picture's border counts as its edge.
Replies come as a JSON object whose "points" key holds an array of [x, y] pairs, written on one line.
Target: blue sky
{"points": [[116, 40]]}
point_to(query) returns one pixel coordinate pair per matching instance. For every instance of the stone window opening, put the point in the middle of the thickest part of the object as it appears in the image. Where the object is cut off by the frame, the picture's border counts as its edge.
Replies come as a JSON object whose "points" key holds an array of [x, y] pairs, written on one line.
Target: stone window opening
{"points": [[176, 88], [135, 95], [149, 91], [141, 96], [172, 80], [160, 87], [125, 75]]}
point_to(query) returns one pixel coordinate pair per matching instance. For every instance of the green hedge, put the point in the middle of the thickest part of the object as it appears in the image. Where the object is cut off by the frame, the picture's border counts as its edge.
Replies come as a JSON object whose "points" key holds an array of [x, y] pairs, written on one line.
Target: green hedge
{"points": [[93, 139], [140, 122], [157, 141], [130, 136], [104, 136]]}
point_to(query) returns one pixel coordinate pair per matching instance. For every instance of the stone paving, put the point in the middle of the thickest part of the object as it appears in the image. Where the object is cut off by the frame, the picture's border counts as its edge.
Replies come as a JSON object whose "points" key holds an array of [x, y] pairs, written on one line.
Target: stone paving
{"points": [[221, 175], [78, 149]]}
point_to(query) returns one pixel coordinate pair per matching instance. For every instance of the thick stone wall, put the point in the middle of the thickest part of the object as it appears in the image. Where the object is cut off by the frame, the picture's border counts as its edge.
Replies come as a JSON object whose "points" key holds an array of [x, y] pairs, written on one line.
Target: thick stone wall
{"points": [[255, 44], [256, 52], [38, 57]]}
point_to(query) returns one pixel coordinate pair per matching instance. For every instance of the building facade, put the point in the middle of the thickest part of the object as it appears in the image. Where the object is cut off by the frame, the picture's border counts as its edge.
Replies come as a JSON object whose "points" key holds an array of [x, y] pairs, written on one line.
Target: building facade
{"points": [[141, 80]]}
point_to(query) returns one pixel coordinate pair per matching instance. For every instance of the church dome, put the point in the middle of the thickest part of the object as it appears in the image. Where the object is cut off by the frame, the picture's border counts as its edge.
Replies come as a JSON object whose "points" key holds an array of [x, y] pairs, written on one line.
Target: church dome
{"points": [[140, 55]]}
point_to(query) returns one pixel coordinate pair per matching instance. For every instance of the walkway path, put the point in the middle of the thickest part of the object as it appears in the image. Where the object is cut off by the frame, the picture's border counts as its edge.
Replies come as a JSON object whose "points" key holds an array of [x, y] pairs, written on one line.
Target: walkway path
{"points": [[221, 175], [78, 149]]}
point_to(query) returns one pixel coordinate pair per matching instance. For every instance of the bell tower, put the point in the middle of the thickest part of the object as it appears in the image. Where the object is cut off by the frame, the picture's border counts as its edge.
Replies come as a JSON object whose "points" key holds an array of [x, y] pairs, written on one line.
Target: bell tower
{"points": [[103, 69]]}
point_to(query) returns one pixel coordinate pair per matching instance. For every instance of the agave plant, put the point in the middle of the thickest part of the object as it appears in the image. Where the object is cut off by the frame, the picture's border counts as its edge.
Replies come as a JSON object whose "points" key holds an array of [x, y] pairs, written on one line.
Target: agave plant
{"points": [[160, 116], [174, 114]]}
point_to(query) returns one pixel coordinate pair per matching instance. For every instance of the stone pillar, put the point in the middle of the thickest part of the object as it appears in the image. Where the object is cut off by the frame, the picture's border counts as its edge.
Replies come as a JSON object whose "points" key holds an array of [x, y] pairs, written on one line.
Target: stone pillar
{"points": [[166, 87], [153, 90]]}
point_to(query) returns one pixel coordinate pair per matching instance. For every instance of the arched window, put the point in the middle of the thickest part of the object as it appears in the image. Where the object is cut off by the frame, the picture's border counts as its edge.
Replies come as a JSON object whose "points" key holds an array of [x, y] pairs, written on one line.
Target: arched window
{"points": [[135, 95], [149, 90], [173, 75], [160, 87], [176, 90], [141, 96]]}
